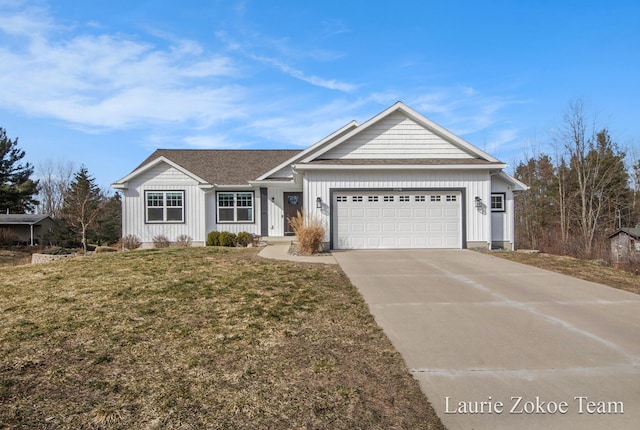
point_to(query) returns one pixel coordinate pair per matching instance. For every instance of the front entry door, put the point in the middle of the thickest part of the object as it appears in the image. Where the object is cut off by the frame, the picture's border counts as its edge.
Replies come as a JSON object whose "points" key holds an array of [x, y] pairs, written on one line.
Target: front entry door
{"points": [[292, 204]]}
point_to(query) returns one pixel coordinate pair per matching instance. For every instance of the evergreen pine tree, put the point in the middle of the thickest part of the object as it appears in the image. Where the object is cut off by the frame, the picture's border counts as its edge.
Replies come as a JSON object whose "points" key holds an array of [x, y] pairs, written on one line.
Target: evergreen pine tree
{"points": [[17, 190]]}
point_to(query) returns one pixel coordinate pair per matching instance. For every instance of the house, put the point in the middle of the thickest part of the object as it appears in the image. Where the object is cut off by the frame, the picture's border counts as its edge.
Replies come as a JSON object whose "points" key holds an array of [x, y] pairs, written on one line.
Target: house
{"points": [[27, 228], [625, 246], [397, 180]]}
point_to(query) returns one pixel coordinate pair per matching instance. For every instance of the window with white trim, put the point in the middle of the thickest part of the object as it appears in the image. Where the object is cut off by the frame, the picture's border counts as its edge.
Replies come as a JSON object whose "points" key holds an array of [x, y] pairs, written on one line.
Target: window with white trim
{"points": [[235, 207], [164, 206], [497, 202]]}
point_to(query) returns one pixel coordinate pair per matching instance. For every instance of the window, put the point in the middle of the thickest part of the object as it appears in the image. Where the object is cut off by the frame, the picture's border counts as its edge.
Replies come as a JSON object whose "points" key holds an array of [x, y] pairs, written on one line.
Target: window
{"points": [[356, 199], [497, 202], [452, 198], [435, 198], [341, 198], [164, 206], [372, 198], [388, 198], [420, 198], [235, 207], [404, 198]]}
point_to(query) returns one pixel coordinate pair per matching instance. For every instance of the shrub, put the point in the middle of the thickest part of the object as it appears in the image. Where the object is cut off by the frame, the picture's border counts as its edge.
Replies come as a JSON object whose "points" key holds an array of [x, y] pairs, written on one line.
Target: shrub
{"points": [[221, 238], [7, 237], [227, 239], [309, 233], [56, 250], [131, 241], [213, 238], [184, 240], [161, 241], [244, 238]]}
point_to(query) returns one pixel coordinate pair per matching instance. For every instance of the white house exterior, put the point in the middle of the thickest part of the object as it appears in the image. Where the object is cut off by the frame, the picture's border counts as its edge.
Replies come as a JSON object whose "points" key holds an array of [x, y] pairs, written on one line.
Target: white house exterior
{"points": [[396, 181]]}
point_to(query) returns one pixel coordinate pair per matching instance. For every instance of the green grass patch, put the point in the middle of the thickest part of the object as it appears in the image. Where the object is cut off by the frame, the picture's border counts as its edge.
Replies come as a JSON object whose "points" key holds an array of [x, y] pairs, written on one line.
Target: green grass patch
{"points": [[196, 338]]}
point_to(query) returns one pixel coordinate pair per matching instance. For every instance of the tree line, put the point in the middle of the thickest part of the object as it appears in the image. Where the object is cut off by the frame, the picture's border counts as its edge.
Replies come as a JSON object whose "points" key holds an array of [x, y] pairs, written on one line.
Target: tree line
{"points": [[579, 195], [83, 213]]}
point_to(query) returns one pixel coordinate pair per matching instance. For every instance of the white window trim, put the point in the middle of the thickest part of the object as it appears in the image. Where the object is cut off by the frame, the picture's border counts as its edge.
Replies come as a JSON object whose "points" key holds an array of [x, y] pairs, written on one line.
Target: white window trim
{"points": [[235, 207], [503, 198], [164, 207]]}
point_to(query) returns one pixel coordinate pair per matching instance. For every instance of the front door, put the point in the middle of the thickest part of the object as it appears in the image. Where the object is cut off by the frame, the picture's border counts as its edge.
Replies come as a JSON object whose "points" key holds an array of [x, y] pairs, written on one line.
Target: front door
{"points": [[292, 204]]}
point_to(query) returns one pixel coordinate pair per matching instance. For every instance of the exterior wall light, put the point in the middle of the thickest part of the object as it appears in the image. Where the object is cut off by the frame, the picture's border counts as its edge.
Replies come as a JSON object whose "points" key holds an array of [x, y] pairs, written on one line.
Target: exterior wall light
{"points": [[478, 202], [318, 203]]}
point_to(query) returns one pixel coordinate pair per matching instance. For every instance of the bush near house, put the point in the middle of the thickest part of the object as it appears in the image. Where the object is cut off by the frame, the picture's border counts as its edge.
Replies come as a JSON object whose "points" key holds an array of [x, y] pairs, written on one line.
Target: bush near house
{"points": [[226, 238], [184, 241], [161, 241], [244, 238], [309, 233], [131, 241]]}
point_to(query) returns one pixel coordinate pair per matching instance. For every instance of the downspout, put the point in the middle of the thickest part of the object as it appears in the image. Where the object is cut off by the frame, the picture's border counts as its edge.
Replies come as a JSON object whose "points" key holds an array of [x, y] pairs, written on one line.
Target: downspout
{"points": [[31, 228]]}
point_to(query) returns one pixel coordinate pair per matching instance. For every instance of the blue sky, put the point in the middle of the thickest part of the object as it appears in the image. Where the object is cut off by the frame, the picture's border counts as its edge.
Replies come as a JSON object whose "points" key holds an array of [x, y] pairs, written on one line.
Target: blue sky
{"points": [[104, 83]]}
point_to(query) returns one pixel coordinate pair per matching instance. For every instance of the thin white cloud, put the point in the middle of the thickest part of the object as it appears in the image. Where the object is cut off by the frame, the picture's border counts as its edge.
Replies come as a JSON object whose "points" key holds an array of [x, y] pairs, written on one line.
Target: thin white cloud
{"points": [[111, 81], [332, 84]]}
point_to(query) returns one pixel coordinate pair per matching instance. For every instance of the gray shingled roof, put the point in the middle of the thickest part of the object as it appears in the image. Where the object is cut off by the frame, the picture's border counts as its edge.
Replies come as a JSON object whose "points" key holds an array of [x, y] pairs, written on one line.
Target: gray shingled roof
{"points": [[24, 219], [225, 167], [631, 231]]}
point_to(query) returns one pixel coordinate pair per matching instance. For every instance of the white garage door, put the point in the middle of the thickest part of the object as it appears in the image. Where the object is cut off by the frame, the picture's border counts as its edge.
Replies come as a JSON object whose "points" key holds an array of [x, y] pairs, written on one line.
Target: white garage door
{"points": [[385, 219]]}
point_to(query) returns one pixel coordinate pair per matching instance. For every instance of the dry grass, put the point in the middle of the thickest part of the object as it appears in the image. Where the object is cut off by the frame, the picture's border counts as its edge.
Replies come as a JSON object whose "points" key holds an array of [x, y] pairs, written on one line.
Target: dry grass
{"points": [[582, 269], [14, 258], [195, 338], [309, 233]]}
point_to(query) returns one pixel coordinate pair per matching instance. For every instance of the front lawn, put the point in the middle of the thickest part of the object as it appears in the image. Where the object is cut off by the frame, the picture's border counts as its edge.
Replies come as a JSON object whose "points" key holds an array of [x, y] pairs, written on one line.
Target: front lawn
{"points": [[196, 338]]}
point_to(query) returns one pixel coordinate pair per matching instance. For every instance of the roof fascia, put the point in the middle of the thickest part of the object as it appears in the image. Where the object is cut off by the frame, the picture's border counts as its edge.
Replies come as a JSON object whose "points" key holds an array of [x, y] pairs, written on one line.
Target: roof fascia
{"points": [[315, 147], [305, 167], [122, 183], [519, 186], [417, 117]]}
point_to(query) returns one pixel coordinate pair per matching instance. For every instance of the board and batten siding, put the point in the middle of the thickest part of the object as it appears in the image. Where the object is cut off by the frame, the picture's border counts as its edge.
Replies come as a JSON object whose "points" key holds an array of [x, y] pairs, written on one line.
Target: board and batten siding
{"points": [[474, 183], [396, 136], [502, 223], [163, 177]]}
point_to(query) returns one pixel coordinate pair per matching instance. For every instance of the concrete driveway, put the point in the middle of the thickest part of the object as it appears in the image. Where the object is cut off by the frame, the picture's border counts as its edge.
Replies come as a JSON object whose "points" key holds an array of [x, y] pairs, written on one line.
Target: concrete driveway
{"points": [[500, 345]]}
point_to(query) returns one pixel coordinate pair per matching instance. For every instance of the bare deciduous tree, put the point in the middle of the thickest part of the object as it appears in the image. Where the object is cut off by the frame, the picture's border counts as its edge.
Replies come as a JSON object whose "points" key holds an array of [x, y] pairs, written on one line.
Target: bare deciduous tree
{"points": [[54, 181], [595, 179]]}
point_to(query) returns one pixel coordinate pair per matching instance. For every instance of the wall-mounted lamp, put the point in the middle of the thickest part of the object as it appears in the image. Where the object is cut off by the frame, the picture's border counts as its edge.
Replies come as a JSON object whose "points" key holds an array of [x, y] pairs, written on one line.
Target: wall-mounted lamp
{"points": [[318, 203], [478, 202]]}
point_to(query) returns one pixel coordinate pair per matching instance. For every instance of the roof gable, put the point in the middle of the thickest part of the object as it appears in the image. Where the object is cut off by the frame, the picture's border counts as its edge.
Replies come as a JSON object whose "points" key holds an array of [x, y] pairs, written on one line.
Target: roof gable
{"points": [[399, 132], [285, 167]]}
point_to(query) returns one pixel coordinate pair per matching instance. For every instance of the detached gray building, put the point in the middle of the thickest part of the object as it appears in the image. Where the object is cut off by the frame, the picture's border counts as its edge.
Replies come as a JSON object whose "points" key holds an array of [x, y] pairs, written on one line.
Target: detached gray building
{"points": [[625, 246], [28, 228]]}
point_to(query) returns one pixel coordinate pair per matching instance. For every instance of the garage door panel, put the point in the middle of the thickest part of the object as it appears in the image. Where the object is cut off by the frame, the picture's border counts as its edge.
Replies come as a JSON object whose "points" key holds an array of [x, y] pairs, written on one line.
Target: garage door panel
{"points": [[388, 219]]}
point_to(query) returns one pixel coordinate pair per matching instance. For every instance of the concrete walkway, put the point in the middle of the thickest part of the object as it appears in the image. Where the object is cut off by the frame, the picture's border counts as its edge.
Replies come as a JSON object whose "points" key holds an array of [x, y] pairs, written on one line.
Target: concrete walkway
{"points": [[279, 250], [500, 345]]}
